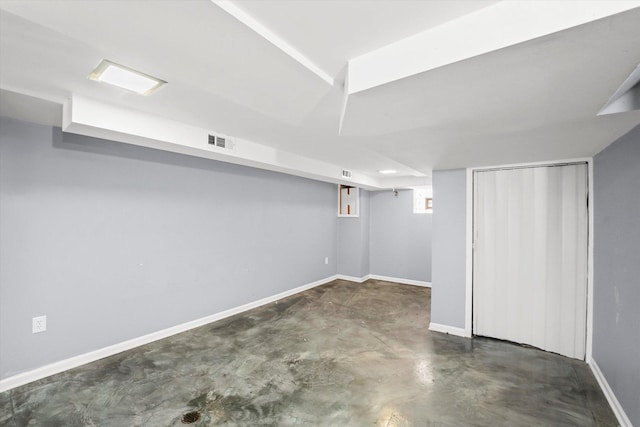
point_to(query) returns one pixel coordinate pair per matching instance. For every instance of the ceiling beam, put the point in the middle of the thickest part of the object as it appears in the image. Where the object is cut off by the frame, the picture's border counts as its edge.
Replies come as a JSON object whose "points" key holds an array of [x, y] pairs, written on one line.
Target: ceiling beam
{"points": [[273, 38], [495, 27], [88, 117]]}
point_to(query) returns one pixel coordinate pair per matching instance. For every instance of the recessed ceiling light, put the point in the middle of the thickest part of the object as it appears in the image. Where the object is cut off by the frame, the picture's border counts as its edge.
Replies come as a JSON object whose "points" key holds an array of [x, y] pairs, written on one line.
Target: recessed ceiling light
{"points": [[126, 78], [387, 171]]}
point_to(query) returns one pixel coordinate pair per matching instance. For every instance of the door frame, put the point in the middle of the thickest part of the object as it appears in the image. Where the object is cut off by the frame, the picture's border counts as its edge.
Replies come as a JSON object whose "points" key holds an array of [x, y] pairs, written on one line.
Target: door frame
{"points": [[468, 328]]}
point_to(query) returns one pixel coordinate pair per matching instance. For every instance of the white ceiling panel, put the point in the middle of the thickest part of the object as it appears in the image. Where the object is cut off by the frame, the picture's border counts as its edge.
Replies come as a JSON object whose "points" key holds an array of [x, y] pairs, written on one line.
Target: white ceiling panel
{"points": [[332, 32]]}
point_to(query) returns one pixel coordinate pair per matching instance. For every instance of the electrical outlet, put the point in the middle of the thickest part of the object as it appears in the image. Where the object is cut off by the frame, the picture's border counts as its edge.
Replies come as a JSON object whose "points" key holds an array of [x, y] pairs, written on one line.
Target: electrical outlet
{"points": [[326, 260], [39, 324]]}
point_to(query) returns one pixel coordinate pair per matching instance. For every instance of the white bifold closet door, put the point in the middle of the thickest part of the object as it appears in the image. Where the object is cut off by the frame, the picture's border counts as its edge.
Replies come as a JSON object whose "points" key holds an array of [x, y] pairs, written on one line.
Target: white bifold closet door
{"points": [[530, 256]]}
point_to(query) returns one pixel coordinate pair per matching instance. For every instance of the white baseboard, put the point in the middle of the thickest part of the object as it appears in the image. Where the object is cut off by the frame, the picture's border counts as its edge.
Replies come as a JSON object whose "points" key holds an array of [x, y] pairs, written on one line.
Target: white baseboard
{"points": [[399, 280], [352, 278], [611, 397], [74, 362], [451, 330], [385, 278]]}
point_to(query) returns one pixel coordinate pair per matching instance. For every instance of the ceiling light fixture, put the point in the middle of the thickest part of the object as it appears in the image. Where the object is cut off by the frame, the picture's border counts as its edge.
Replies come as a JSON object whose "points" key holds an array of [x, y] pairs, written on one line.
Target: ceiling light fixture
{"points": [[126, 78], [387, 171]]}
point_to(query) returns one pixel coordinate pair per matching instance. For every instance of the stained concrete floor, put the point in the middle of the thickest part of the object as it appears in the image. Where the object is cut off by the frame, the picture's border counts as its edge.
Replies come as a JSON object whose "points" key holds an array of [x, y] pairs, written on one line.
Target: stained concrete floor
{"points": [[342, 354]]}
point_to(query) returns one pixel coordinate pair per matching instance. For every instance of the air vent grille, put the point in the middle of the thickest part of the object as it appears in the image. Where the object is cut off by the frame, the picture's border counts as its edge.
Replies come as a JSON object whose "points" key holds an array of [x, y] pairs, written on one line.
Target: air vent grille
{"points": [[347, 174], [220, 142]]}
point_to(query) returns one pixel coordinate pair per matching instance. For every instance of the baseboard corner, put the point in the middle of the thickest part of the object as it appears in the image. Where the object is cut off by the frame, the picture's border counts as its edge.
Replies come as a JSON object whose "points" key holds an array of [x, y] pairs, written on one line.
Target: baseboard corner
{"points": [[446, 329], [400, 280], [616, 407], [352, 278]]}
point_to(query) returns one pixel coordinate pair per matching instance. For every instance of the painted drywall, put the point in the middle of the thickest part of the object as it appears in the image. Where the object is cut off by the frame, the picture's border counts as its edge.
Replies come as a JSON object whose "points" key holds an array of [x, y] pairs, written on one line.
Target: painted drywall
{"points": [[400, 240], [616, 286], [448, 283], [353, 241], [112, 241]]}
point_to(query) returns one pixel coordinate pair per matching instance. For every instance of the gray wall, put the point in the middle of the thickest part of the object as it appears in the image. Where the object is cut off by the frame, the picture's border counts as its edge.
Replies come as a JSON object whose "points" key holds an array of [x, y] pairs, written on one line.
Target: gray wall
{"points": [[448, 292], [353, 241], [400, 240], [616, 306], [112, 241]]}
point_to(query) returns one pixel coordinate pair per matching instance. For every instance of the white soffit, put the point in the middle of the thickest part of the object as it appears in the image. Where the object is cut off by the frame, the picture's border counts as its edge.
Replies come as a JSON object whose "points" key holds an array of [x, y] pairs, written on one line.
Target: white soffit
{"points": [[29, 109], [495, 27], [99, 120]]}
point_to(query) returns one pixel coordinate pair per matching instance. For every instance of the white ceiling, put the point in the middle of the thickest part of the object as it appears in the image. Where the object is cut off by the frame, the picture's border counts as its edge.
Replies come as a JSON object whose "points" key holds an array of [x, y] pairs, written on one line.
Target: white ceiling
{"points": [[517, 100], [331, 33]]}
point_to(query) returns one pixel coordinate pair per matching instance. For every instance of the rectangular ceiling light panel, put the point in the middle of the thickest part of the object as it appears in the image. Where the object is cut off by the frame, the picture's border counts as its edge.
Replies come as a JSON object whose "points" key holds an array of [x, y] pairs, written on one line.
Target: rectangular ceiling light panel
{"points": [[126, 78]]}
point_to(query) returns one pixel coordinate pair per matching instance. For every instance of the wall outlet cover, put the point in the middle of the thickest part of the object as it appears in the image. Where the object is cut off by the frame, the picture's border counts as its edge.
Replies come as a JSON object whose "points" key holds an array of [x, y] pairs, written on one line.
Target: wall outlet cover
{"points": [[39, 324]]}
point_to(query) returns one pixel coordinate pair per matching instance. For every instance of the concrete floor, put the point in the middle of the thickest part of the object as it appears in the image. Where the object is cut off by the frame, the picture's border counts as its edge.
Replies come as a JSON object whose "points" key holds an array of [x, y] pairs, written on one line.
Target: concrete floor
{"points": [[342, 354]]}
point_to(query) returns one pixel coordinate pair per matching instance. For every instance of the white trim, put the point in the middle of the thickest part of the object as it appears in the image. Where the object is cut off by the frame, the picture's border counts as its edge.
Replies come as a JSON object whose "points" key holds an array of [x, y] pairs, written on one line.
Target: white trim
{"points": [[468, 301], [352, 278], [399, 280], [589, 341], [74, 362], [611, 397], [451, 330], [528, 164]]}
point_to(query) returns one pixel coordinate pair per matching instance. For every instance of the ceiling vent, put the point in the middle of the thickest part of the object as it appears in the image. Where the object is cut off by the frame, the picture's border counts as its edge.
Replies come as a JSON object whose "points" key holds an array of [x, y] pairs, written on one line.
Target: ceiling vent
{"points": [[220, 142], [347, 174]]}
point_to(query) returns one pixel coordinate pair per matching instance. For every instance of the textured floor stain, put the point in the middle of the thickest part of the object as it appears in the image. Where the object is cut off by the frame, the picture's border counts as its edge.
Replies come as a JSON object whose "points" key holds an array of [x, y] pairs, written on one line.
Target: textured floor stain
{"points": [[342, 354]]}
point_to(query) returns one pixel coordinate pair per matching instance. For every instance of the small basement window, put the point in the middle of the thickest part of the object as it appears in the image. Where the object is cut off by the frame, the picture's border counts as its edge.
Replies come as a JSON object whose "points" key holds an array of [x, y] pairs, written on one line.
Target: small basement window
{"points": [[422, 200]]}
